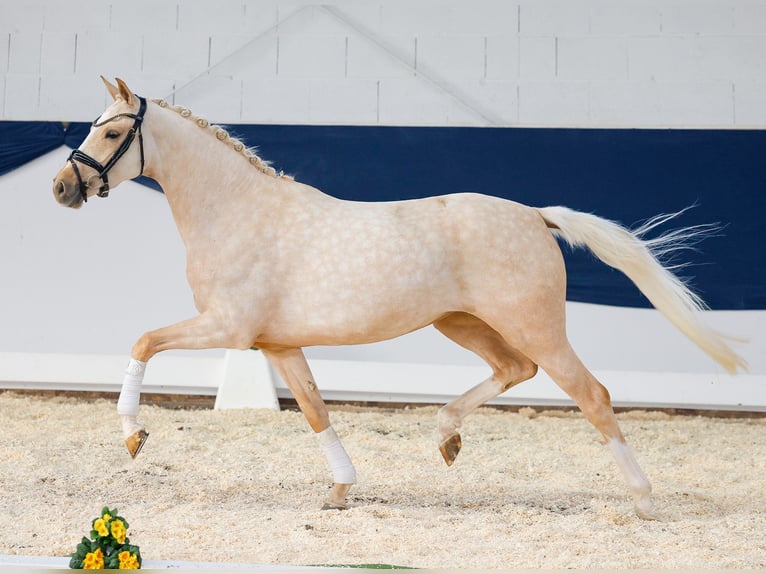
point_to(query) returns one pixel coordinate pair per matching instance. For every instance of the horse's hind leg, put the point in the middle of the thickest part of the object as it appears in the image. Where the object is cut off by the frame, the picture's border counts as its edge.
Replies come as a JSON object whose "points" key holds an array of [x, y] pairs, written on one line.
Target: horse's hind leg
{"points": [[566, 369], [509, 367]]}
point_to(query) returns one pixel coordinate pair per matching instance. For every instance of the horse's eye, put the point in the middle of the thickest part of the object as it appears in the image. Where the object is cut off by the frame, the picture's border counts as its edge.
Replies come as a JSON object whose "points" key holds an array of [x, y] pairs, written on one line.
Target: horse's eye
{"points": [[112, 135]]}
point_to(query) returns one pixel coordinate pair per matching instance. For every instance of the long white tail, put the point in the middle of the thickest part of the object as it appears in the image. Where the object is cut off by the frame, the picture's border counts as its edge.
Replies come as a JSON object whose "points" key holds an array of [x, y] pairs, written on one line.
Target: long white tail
{"points": [[638, 259]]}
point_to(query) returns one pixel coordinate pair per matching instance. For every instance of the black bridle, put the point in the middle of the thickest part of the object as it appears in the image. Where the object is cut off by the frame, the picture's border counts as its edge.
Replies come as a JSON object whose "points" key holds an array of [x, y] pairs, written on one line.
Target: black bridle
{"points": [[103, 170]]}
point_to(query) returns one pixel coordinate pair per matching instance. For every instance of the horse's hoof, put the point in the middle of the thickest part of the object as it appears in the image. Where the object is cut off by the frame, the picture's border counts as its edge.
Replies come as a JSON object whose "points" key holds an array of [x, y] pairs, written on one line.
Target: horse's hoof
{"points": [[135, 442], [332, 506], [450, 448], [337, 500], [645, 508]]}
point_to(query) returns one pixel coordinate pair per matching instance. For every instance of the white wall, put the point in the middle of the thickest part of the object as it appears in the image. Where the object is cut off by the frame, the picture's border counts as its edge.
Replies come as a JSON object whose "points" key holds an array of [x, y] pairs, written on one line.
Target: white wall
{"points": [[90, 282], [631, 63]]}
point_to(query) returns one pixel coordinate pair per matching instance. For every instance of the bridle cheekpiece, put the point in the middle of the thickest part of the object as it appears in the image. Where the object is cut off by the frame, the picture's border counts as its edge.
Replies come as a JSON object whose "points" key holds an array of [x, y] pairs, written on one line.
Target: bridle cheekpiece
{"points": [[103, 170]]}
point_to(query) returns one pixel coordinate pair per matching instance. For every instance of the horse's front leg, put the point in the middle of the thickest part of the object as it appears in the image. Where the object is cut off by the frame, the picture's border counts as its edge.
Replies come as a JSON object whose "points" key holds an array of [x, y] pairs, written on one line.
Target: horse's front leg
{"points": [[205, 331], [294, 370]]}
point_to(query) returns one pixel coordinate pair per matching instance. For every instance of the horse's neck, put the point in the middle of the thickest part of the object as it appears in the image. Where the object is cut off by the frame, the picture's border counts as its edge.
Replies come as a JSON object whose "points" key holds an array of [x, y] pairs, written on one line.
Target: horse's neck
{"points": [[204, 180]]}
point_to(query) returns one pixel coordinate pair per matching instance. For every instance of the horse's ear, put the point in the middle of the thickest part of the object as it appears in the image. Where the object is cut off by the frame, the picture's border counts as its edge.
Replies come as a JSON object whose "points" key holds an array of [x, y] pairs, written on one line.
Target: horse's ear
{"points": [[113, 90], [125, 92]]}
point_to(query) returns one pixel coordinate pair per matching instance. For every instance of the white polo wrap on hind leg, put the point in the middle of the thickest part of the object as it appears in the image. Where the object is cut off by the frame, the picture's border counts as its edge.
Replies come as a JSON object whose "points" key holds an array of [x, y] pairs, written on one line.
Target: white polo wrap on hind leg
{"points": [[127, 404], [343, 471]]}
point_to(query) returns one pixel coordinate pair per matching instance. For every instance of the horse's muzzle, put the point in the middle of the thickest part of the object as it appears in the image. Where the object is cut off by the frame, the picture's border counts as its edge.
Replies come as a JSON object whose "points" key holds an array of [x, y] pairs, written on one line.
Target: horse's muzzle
{"points": [[67, 193]]}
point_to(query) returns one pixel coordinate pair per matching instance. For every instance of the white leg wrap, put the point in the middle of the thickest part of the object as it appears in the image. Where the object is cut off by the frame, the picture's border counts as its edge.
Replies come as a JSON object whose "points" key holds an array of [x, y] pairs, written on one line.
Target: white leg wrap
{"points": [[634, 476], [131, 389], [343, 471]]}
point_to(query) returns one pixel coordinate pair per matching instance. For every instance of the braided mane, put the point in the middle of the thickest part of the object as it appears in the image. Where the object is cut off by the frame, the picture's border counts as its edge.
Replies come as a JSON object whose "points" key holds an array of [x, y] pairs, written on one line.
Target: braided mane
{"points": [[224, 136]]}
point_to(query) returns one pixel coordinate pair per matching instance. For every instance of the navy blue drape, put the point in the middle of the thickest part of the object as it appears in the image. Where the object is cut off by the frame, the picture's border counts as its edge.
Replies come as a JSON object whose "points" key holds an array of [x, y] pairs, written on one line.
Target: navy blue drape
{"points": [[21, 142], [623, 174]]}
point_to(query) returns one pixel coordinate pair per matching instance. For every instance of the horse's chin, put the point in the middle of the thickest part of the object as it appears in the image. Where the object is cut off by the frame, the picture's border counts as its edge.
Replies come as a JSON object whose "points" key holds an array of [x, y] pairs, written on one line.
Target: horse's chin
{"points": [[75, 203]]}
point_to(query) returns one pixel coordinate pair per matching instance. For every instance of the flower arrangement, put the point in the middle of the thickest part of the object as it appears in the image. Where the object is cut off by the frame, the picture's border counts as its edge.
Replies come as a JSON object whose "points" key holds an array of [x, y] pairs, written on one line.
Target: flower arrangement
{"points": [[108, 545]]}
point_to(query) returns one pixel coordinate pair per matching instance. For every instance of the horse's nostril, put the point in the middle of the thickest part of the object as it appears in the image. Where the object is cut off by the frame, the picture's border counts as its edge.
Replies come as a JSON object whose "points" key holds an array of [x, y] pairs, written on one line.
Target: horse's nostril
{"points": [[59, 188]]}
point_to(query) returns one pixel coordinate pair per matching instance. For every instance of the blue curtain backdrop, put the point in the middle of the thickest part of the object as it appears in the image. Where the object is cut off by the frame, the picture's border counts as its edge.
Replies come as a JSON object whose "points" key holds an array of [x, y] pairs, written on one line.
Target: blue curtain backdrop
{"points": [[622, 174]]}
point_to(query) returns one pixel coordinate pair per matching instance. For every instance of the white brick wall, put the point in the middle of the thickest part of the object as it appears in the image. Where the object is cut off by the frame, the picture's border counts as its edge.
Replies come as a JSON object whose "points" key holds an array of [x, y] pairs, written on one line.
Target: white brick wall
{"points": [[676, 63]]}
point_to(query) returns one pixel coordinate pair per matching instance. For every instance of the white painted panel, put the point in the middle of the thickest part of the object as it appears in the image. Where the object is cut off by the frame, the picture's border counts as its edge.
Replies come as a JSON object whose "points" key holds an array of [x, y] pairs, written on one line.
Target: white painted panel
{"points": [[625, 104], [750, 103], [165, 374], [175, 54], [22, 94], [18, 17], [307, 18], [259, 15], [502, 58], [244, 56], [196, 18], [62, 98], [654, 104], [57, 53], [5, 41], [368, 59], [481, 17], [108, 53], [217, 98], [662, 58], [554, 17], [147, 85], [554, 103], [498, 96], [730, 57], [24, 52], [640, 17], [247, 382], [355, 101], [279, 100], [311, 56], [592, 58], [130, 17], [413, 101], [66, 17], [537, 58], [697, 17], [453, 57], [749, 17], [700, 103]]}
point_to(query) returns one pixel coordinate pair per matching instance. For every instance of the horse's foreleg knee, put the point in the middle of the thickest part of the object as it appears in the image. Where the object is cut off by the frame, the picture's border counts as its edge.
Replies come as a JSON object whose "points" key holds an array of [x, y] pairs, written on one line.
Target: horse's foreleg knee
{"points": [[128, 406]]}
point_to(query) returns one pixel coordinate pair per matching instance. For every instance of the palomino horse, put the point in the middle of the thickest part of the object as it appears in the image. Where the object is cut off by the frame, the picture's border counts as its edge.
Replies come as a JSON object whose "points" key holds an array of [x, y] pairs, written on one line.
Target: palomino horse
{"points": [[276, 264]]}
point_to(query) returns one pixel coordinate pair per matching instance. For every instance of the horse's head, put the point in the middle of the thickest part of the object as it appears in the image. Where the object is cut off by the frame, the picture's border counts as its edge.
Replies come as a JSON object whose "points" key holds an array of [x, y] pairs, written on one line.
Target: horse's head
{"points": [[112, 152]]}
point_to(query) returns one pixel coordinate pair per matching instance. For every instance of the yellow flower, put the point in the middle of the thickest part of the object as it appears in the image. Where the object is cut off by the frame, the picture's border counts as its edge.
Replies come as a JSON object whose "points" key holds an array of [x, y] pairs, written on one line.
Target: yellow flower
{"points": [[100, 526], [118, 531], [94, 560], [107, 517], [128, 561]]}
